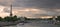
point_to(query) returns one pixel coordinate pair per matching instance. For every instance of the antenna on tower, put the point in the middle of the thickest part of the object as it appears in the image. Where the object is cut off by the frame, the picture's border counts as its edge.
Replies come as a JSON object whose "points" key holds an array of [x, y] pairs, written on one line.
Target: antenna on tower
{"points": [[11, 10]]}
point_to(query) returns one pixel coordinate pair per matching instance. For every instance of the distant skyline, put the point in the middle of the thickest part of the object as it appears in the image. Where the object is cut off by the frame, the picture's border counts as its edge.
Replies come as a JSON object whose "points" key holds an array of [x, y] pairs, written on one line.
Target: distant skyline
{"points": [[30, 8]]}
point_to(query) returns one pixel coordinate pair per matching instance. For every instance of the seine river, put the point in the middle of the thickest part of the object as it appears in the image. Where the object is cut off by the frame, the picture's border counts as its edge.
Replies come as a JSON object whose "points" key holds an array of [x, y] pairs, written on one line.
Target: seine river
{"points": [[35, 24]]}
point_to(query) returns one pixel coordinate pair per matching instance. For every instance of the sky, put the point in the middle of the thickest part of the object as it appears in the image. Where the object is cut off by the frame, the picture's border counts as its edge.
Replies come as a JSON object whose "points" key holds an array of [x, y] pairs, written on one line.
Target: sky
{"points": [[30, 8]]}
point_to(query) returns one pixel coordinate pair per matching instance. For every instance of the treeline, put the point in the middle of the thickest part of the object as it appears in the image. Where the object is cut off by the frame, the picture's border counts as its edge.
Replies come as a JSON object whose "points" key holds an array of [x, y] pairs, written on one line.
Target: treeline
{"points": [[15, 18], [58, 18], [12, 19]]}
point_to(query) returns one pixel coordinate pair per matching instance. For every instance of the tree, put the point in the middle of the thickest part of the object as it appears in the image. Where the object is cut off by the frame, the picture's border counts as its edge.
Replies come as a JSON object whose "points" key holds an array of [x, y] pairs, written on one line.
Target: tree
{"points": [[14, 18], [50, 18], [1, 19], [58, 18], [6, 18], [25, 18]]}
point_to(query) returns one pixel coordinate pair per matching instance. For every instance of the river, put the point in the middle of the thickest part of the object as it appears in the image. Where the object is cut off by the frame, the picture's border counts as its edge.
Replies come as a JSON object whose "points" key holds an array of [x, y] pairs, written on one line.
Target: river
{"points": [[34, 24]]}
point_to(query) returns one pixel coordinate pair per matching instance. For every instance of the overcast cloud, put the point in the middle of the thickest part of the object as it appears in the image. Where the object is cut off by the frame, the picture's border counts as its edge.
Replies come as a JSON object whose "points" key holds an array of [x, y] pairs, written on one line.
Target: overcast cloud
{"points": [[44, 7]]}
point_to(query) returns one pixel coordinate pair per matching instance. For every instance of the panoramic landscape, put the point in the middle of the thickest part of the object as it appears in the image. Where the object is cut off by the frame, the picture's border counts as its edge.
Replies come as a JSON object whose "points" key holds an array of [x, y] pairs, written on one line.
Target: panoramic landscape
{"points": [[29, 13]]}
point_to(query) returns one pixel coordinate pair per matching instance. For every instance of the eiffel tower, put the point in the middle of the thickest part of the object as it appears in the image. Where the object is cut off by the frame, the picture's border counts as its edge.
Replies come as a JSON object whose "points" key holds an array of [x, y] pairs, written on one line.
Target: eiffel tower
{"points": [[11, 10]]}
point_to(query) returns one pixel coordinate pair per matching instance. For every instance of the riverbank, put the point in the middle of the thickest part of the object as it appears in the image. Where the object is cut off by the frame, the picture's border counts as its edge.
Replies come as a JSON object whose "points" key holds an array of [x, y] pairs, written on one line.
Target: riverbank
{"points": [[9, 23]]}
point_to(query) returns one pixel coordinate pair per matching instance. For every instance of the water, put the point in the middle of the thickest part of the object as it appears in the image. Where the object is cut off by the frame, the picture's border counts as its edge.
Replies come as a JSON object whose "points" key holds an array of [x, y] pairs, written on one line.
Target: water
{"points": [[35, 24]]}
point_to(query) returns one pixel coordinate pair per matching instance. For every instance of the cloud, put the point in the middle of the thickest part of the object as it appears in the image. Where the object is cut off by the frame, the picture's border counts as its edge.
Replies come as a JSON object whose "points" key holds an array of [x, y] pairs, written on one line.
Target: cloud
{"points": [[32, 3], [37, 3], [6, 2], [2, 13], [32, 8], [31, 12]]}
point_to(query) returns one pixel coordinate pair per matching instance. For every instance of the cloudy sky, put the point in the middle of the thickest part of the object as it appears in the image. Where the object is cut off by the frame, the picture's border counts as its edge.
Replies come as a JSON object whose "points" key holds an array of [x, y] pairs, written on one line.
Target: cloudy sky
{"points": [[30, 8]]}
